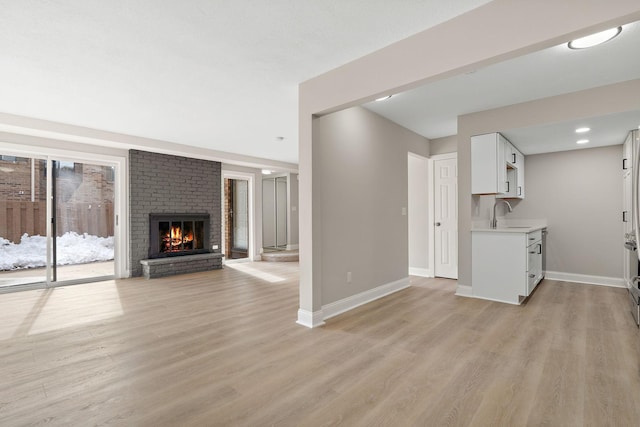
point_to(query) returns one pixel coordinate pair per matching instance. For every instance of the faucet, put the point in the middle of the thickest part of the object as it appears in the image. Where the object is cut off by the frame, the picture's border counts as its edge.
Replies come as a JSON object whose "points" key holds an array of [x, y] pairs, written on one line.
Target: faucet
{"points": [[494, 221]]}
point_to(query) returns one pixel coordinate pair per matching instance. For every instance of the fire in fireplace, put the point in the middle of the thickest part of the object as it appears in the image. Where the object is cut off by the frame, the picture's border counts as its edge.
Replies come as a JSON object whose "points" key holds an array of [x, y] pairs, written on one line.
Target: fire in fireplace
{"points": [[178, 234]]}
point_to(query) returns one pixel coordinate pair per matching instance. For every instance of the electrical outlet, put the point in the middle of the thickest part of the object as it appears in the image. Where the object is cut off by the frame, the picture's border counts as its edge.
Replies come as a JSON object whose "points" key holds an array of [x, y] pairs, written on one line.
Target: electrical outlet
{"points": [[214, 247], [349, 277], [404, 211]]}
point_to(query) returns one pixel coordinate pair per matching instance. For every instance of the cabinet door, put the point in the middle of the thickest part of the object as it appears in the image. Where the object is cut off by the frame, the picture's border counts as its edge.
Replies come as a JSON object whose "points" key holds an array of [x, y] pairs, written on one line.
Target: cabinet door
{"points": [[520, 175], [510, 153], [626, 203], [503, 186], [627, 153], [511, 188], [534, 265], [488, 168]]}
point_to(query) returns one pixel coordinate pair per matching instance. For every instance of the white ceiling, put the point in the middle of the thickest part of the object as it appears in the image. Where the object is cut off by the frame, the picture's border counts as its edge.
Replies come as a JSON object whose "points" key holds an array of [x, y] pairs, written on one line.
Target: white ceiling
{"points": [[217, 74], [432, 110]]}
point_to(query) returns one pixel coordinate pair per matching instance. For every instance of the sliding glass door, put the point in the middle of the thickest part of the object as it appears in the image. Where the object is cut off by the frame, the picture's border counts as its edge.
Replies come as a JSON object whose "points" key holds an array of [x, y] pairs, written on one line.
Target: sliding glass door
{"points": [[83, 220], [69, 239], [23, 221]]}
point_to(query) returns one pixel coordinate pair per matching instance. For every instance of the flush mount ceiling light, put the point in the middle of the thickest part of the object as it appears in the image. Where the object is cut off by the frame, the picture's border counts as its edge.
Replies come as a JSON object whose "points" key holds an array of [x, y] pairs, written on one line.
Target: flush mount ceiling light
{"points": [[594, 39], [266, 172], [382, 98], [582, 141], [583, 130]]}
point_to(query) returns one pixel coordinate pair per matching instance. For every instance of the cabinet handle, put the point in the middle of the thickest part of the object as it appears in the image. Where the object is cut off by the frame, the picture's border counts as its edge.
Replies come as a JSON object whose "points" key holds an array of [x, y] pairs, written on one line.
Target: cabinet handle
{"points": [[508, 186], [519, 190], [539, 248], [514, 158], [624, 164], [532, 276], [624, 216]]}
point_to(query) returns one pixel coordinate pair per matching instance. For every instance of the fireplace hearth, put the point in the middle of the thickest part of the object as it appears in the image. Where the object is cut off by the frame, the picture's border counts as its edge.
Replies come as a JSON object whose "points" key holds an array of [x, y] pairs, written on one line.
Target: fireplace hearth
{"points": [[178, 234]]}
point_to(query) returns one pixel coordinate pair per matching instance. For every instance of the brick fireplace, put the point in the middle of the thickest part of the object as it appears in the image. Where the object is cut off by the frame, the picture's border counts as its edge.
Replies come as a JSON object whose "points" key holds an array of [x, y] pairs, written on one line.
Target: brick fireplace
{"points": [[179, 195]]}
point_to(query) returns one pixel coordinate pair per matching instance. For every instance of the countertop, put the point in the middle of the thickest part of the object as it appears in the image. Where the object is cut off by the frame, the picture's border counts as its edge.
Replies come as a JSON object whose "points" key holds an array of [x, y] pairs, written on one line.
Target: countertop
{"points": [[514, 226]]}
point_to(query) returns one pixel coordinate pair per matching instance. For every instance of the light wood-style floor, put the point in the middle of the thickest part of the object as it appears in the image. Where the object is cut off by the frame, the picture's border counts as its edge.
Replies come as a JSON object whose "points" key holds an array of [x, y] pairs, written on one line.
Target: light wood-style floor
{"points": [[223, 348]]}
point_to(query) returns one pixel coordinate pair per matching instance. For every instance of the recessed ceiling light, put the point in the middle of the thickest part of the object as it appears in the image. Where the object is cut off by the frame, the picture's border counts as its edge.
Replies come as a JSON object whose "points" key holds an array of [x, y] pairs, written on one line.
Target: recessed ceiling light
{"points": [[594, 39], [582, 130], [382, 98], [582, 141], [266, 172]]}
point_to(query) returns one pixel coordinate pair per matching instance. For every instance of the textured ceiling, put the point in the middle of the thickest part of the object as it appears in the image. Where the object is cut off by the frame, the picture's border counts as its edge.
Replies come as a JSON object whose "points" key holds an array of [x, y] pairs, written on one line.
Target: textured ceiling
{"points": [[218, 74]]}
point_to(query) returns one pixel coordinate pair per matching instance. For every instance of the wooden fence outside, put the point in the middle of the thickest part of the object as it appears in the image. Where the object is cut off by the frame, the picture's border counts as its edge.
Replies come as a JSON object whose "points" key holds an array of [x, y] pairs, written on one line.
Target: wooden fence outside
{"points": [[17, 218]]}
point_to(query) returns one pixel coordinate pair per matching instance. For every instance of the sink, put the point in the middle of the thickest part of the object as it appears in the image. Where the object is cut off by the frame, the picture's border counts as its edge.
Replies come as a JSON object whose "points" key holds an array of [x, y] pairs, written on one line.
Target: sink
{"points": [[525, 226]]}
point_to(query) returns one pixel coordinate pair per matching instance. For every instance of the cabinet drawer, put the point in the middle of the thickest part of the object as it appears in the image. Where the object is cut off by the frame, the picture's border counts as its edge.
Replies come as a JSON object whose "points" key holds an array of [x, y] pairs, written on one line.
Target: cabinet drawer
{"points": [[533, 237]]}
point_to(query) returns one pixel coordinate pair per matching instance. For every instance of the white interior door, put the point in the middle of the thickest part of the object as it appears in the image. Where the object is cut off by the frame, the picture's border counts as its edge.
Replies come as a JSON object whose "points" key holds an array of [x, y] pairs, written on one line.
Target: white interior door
{"points": [[446, 217]]}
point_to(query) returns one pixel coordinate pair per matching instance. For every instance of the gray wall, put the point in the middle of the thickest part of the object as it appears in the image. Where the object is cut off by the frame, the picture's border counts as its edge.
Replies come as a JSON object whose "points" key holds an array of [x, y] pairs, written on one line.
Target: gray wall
{"points": [[160, 183], [445, 145], [363, 189], [580, 194]]}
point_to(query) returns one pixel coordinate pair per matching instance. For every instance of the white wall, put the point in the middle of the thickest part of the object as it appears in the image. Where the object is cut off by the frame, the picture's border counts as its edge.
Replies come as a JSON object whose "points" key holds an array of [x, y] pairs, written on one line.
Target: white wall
{"points": [[418, 212], [363, 161], [580, 194]]}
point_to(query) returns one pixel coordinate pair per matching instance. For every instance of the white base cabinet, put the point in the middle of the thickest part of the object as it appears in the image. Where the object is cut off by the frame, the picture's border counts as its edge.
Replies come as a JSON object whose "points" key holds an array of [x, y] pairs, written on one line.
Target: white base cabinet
{"points": [[506, 266]]}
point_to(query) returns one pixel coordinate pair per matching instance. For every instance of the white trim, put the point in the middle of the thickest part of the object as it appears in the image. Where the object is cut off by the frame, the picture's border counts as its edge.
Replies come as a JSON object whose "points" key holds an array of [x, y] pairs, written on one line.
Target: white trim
{"points": [[349, 303], [310, 319], [432, 215], [616, 282], [422, 272], [464, 291], [293, 247]]}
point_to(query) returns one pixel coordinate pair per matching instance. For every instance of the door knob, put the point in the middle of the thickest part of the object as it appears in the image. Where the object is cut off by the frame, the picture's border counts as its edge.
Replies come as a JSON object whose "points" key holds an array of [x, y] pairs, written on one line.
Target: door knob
{"points": [[437, 224]]}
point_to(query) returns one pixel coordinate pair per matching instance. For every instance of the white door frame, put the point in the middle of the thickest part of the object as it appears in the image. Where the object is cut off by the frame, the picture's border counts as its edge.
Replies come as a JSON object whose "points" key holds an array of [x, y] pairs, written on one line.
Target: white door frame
{"points": [[432, 200], [252, 214], [122, 268]]}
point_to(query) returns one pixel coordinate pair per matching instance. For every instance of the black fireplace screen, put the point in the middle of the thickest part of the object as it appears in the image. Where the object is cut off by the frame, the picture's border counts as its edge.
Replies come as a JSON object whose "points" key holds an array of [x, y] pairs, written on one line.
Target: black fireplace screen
{"points": [[178, 234]]}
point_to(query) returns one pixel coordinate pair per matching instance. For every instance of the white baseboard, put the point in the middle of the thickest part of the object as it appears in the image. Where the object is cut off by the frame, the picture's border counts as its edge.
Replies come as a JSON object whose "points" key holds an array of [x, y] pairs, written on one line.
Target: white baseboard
{"points": [[310, 319], [422, 272], [292, 247], [616, 282], [464, 291], [349, 303]]}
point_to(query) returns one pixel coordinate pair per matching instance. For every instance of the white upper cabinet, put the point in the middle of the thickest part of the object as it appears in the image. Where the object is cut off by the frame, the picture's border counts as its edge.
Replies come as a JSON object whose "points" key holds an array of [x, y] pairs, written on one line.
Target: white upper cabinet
{"points": [[497, 167], [520, 179], [627, 153]]}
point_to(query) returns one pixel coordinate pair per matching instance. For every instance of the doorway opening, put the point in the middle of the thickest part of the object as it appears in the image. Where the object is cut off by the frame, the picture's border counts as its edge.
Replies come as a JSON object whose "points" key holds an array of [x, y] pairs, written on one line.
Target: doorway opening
{"points": [[274, 213], [236, 218]]}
